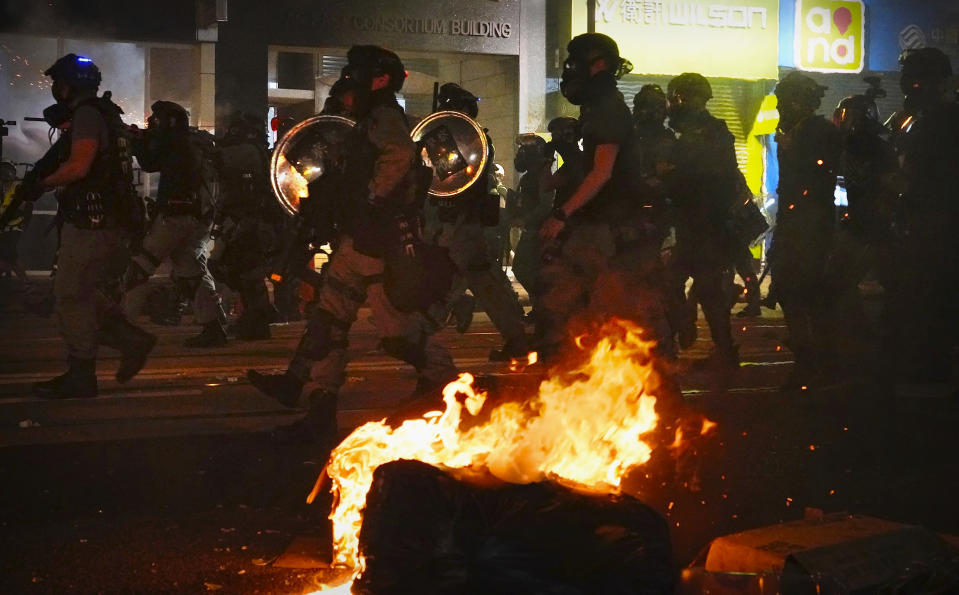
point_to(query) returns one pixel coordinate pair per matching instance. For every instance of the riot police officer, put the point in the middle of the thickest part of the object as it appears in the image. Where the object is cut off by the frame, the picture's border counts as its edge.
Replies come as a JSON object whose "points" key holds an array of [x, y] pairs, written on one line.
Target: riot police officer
{"points": [[603, 214], [461, 222], [926, 134], [95, 201], [244, 214], [378, 219], [654, 140], [701, 180], [528, 207], [868, 167], [186, 198], [808, 152]]}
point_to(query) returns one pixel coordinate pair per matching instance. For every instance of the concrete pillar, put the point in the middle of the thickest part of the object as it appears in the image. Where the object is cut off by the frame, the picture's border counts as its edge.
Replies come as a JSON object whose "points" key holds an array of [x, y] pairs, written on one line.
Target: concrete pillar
{"points": [[241, 62], [532, 66], [206, 89]]}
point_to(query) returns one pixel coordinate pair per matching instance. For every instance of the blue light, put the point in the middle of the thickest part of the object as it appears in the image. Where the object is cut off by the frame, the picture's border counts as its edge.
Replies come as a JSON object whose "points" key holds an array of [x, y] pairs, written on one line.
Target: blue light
{"points": [[82, 59]]}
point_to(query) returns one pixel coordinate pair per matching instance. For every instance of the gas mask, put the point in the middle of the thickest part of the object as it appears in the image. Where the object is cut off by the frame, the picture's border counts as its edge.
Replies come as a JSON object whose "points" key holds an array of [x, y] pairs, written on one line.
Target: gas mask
{"points": [[678, 110], [575, 79], [649, 113], [920, 93]]}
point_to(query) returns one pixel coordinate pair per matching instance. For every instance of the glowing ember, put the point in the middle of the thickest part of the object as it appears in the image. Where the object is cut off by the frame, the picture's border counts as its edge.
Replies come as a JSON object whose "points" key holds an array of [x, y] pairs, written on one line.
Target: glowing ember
{"points": [[584, 429]]}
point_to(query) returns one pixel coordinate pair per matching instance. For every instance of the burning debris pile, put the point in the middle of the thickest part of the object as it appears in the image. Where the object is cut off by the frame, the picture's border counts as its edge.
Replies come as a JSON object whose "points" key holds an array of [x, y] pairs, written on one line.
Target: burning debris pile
{"points": [[425, 531], [583, 431]]}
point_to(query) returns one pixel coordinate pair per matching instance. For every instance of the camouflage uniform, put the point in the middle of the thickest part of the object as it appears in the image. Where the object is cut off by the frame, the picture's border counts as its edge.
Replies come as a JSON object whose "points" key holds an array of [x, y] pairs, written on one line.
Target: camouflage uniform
{"points": [[461, 231], [380, 155], [181, 231]]}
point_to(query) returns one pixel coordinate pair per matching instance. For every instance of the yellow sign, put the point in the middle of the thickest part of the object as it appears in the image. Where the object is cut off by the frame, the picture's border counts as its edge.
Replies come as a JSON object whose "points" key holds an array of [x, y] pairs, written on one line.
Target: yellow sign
{"points": [[768, 117], [731, 39], [830, 35]]}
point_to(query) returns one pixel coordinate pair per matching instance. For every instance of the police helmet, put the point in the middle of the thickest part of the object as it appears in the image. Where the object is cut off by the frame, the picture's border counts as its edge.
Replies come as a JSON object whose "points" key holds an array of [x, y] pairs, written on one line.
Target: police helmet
{"points": [[651, 95], [168, 114], [649, 104], [76, 71], [923, 72], [801, 89], [565, 129], [531, 149], [365, 62], [690, 87], [925, 63], [855, 111], [586, 48], [454, 97]]}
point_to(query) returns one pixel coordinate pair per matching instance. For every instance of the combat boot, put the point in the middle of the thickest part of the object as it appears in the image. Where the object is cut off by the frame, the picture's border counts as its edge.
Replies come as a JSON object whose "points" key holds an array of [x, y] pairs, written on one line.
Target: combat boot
{"points": [[285, 387], [516, 348], [212, 335], [79, 382], [133, 343], [462, 312], [318, 425]]}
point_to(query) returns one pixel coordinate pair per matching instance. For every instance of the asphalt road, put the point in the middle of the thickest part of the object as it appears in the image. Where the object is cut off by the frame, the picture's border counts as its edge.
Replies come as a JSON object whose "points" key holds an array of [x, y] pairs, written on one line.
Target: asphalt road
{"points": [[170, 483]]}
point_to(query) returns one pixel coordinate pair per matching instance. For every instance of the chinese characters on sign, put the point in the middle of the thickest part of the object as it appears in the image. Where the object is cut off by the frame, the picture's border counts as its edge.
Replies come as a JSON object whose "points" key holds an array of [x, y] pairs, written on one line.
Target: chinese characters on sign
{"points": [[738, 39]]}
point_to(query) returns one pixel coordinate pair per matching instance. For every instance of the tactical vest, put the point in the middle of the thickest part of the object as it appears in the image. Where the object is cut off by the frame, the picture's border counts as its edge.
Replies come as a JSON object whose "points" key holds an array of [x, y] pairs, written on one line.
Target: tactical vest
{"points": [[105, 197], [197, 192], [244, 179], [372, 228]]}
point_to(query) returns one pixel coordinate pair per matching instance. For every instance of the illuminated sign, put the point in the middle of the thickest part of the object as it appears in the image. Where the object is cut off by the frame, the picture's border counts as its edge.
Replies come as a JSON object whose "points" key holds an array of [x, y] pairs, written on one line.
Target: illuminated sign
{"points": [[830, 35], [738, 39], [767, 118]]}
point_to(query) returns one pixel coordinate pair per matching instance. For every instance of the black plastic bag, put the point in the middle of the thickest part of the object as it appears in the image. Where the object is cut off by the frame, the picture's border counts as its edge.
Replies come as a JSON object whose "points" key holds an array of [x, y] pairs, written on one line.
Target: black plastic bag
{"points": [[426, 532]]}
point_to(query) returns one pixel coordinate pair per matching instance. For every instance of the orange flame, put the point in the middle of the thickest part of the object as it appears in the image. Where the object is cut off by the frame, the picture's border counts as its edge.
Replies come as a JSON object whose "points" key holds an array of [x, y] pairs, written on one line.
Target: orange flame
{"points": [[584, 429]]}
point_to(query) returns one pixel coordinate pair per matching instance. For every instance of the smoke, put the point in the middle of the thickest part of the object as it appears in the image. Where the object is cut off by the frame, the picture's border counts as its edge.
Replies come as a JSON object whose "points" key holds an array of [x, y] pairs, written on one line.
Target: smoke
{"points": [[26, 91]]}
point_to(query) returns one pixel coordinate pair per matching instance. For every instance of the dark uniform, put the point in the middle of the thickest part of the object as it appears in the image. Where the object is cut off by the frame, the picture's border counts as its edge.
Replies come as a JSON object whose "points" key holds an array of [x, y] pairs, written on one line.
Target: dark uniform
{"points": [[702, 184], [925, 306], [867, 165], [460, 230], [247, 213], [530, 206], [603, 260], [181, 230], [808, 153], [380, 195], [92, 211]]}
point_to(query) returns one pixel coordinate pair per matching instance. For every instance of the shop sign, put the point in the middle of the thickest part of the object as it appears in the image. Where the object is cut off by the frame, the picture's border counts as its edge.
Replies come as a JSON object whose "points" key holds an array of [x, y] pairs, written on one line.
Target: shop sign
{"points": [[426, 25], [734, 39], [830, 35], [767, 119]]}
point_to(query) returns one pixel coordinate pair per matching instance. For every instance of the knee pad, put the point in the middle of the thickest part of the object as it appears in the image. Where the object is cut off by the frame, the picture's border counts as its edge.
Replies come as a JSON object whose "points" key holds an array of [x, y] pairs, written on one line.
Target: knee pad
{"points": [[405, 350]]}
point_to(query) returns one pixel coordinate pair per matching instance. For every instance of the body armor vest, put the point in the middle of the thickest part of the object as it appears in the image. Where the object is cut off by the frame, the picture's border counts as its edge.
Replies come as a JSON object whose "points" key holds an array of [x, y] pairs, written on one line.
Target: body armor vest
{"points": [[104, 196]]}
